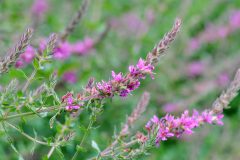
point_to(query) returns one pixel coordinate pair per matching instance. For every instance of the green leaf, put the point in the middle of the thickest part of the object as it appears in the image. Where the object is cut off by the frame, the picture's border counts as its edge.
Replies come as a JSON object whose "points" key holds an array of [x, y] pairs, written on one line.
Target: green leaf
{"points": [[36, 64], [60, 154], [52, 120], [95, 146], [17, 73], [81, 149], [45, 157]]}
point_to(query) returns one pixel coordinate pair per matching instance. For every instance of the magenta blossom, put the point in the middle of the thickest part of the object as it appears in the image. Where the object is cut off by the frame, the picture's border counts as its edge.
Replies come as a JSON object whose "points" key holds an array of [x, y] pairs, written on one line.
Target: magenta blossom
{"points": [[123, 85], [234, 20], [170, 107], [19, 64], [169, 126], [117, 77], [194, 44], [83, 47], [26, 57], [70, 77], [195, 68], [223, 79], [63, 51], [39, 7], [68, 99]]}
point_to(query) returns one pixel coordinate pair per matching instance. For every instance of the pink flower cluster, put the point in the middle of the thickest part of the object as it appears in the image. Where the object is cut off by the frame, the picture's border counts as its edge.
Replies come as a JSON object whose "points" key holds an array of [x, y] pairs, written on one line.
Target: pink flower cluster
{"points": [[26, 57], [215, 32], [171, 107], [65, 49], [223, 79], [62, 52], [70, 77], [123, 85], [39, 7], [130, 24], [195, 68], [68, 99], [169, 126]]}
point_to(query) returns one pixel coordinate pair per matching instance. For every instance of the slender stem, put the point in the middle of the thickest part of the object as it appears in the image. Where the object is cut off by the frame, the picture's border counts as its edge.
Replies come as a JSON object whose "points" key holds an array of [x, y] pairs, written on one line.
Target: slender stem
{"points": [[57, 141], [29, 80], [84, 136], [126, 145], [29, 137], [31, 113]]}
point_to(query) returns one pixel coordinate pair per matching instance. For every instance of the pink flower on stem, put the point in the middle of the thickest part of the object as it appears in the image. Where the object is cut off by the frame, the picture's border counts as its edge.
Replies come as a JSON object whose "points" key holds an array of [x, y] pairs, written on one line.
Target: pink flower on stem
{"points": [[68, 99], [170, 107], [194, 44], [123, 85], [83, 47], [39, 7], [169, 126], [42, 45], [63, 51], [234, 20], [117, 77], [223, 79], [26, 57], [105, 88], [219, 119], [222, 32], [70, 77], [19, 64], [195, 68]]}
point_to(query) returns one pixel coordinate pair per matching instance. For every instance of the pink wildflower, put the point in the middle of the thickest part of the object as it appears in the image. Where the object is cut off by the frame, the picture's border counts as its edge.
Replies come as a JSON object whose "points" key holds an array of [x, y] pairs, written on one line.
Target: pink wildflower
{"points": [[70, 77], [39, 7], [105, 88], [28, 55], [195, 68], [68, 99], [170, 126], [117, 77], [19, 64], [63, 51], [170, 107], [42, 45], [223, 79], [194, 44], [83, 47], [234, 20]]}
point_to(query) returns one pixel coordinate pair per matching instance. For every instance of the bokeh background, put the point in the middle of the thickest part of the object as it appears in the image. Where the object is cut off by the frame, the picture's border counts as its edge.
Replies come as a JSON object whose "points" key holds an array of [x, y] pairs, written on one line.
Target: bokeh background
{"points": [[197, 67]]}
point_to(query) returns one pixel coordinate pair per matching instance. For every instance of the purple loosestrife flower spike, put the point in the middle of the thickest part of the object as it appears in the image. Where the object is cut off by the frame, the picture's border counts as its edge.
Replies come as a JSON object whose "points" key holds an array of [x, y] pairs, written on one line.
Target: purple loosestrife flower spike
{"points": [[159, 49], [13, 56], [169, 126], [123, 85]]}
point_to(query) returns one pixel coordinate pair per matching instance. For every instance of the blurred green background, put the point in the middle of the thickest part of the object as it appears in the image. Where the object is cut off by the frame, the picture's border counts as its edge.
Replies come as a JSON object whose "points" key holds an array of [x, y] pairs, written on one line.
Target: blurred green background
{"points": [[137, 25]]}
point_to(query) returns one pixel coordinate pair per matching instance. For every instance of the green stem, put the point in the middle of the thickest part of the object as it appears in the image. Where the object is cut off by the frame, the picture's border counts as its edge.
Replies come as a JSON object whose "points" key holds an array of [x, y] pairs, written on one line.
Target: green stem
{"points": [[84, 136], [29, 137], [57, 141], [126, 145], [29, 80], [31, 113]]}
